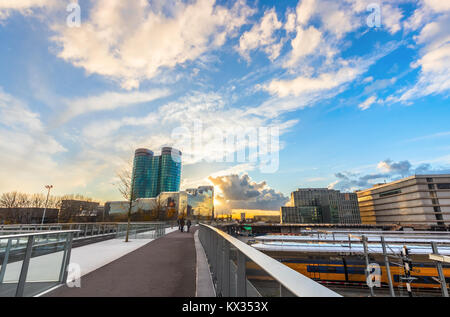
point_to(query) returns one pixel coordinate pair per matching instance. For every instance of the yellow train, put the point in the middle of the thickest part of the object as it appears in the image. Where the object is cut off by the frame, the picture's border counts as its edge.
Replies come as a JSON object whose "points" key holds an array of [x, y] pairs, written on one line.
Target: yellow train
{"points": [[351, 270]]}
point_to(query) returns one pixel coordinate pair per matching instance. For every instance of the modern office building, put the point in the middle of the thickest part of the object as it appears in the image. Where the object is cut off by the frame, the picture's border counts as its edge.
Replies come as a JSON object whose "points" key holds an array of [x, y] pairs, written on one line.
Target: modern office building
{"points": [[170, 170], [153, 175], [416, 200], [201, 202], [321, 205]]}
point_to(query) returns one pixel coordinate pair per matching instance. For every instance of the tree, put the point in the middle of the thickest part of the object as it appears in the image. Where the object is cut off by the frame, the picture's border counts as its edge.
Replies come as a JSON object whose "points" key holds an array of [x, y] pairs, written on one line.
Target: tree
{"points": [[9, 200], [125, 187], [37, 201]]}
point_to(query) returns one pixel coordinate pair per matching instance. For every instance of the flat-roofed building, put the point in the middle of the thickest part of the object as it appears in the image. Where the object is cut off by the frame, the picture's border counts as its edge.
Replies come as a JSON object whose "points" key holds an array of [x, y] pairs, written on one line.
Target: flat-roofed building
{"points": [[419, 200], [321, 205]]}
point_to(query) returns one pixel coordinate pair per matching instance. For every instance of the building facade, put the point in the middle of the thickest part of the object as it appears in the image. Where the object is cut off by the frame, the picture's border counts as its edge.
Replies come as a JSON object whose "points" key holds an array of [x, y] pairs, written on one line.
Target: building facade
{"points": [[321, 205], [74, 210], [153, 175], [419, 200], [200, 202], [193, 203]]}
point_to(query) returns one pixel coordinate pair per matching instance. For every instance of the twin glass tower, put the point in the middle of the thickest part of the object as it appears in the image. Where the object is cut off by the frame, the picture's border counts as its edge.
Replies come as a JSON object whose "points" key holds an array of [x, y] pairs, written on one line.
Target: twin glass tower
{"points": [[153, 175]]}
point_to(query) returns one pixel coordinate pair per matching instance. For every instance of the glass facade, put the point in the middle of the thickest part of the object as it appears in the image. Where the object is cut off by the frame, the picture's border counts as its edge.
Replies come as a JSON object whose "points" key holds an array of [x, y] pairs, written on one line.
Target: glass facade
{"points": [[153, 175], [142, 164], [201, 202], [307, 215], [170, 176], [328, 206]]}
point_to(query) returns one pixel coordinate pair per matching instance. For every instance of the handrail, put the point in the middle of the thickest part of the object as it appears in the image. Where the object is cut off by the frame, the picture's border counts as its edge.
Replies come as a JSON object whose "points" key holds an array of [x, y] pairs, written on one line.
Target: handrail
{"points": [[40, 233], [292, 280]]}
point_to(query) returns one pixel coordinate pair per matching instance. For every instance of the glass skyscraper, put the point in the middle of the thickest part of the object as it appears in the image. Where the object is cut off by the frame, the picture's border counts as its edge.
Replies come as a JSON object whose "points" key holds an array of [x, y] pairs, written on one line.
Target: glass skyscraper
{"points": [[143, 159], [170, 177], [153, 175]]}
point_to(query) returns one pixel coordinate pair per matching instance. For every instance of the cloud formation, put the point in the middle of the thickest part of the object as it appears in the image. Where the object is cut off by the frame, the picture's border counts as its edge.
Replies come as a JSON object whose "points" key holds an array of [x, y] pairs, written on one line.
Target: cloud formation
{"points": [[23, 6], [131, 41], [388, 171], [241, 192], [432, 20]]}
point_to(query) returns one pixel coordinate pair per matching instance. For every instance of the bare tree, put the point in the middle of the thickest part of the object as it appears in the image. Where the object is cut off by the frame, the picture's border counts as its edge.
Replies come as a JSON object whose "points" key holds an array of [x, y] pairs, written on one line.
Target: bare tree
{"points": [[125, 187], [9, 200], [37, 201]]}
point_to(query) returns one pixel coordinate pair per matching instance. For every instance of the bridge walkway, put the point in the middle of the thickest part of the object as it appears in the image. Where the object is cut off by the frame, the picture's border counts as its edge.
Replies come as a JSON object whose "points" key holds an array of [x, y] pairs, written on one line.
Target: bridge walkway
{"points": [[165, 267]]}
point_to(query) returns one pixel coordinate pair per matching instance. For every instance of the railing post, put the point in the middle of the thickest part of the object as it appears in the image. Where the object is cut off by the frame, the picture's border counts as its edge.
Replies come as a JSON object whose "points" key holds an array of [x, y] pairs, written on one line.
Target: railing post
{"points": [[5, 260], [388, 268], [214, 254], [66, 258], [366, 256], [219, 270], [24, 271], [226, 269], [241, 277], [440, 271]]}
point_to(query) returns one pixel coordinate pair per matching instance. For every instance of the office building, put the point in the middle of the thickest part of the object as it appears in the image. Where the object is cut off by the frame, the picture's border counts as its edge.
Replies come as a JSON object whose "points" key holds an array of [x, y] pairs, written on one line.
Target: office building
{"points": [[153, 175], [73, 210], [321, 205], [200, 202], [416, 200]]}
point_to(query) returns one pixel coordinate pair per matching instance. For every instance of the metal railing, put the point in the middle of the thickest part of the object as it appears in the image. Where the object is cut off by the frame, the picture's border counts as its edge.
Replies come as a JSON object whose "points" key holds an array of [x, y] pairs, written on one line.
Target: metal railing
{"points": [[86, 231], [240, 270], [32, 263]]}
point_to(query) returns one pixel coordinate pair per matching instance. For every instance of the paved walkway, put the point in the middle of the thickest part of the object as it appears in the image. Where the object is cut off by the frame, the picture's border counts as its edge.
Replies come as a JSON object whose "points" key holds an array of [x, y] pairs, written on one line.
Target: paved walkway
{"points": [[163, 268]]}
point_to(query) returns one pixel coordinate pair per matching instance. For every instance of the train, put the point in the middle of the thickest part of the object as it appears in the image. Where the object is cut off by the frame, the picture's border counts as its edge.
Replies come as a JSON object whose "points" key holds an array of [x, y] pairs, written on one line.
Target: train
{"points": [[350, 270]]}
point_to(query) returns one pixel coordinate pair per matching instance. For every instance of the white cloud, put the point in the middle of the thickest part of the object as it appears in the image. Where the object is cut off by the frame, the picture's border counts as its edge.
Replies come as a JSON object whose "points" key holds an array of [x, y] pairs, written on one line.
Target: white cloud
{"points": [[304, 85], [261, 36], [391, 18], [23, 6], [368, 103], [305, 10], [108, 101], [130, 41], [434, 60], [305, 43]]}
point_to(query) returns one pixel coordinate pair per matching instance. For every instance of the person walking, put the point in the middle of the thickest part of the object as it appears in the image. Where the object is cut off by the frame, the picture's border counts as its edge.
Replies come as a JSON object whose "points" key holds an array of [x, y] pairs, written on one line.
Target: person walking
{"points": [[188, 224], [182, 224]]}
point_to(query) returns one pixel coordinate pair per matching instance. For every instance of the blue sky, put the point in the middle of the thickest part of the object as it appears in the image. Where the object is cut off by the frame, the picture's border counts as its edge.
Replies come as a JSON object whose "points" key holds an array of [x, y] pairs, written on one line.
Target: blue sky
{"points": [[354, 104]]}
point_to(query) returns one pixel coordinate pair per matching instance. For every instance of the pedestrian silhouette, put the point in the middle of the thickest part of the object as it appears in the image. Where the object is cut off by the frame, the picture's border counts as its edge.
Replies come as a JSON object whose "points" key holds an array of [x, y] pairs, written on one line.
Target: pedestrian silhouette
{"points": [[182, 224], [188, 224]]}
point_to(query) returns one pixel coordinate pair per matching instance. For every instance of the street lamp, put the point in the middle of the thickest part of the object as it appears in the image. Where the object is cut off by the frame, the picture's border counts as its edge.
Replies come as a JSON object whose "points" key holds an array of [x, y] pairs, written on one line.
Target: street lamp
{"points": [[49, 187]]}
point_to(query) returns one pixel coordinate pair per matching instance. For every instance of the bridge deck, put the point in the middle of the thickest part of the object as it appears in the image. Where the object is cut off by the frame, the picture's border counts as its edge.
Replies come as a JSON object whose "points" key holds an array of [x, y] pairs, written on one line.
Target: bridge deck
{"points": [[163, 268]]}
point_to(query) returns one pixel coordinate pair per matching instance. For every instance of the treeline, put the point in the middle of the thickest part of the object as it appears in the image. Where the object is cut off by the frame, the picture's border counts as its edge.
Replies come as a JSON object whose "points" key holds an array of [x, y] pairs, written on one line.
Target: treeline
{"points": [[22, 200]]}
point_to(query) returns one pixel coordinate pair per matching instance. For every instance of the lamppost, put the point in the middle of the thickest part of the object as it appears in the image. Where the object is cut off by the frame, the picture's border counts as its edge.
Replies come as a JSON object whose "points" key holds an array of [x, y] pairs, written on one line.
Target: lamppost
{"points": [[49, 187]]}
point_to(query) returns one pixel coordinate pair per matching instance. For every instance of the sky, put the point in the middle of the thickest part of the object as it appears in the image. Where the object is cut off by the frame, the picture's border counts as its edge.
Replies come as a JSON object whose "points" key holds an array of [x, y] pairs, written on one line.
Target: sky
{"points": [[314, 93]]}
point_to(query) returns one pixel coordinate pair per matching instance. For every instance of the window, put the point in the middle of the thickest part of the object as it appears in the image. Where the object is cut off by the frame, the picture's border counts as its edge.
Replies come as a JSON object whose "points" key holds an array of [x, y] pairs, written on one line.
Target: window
{"points": [[431, 186], [443, 186], [429, 180], [390, 193]]}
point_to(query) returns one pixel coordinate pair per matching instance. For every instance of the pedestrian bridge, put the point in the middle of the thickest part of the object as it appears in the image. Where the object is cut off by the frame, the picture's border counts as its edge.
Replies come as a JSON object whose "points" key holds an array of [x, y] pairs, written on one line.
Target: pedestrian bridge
{"points": [[159, 261]]}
